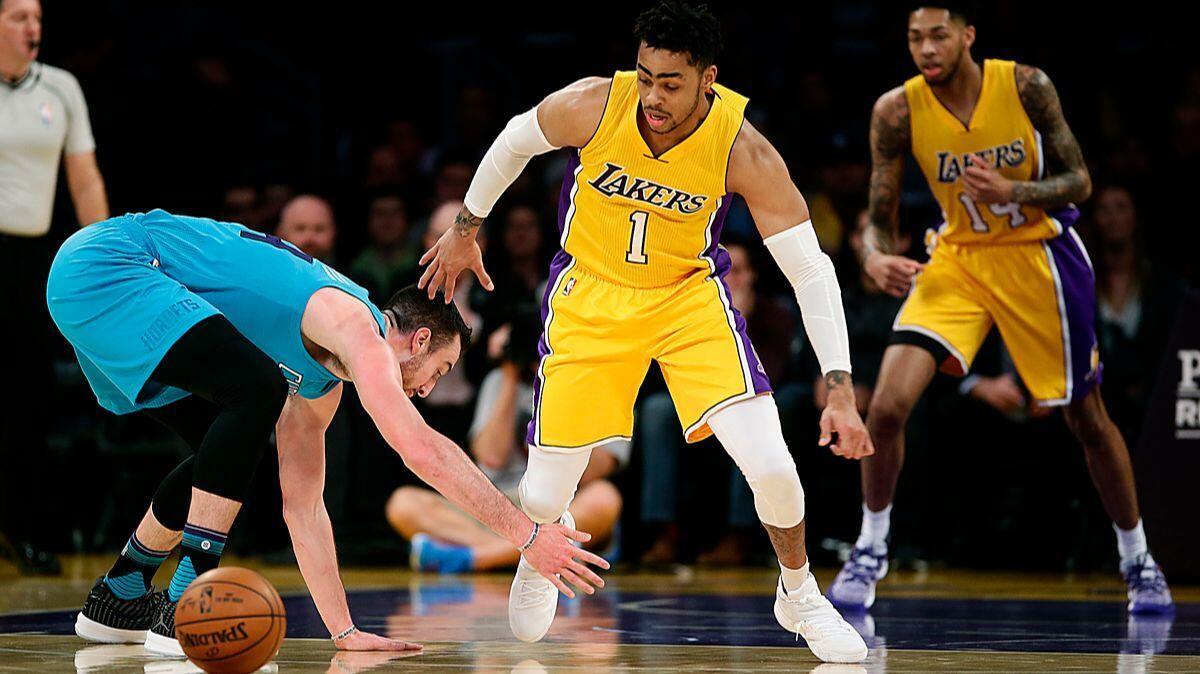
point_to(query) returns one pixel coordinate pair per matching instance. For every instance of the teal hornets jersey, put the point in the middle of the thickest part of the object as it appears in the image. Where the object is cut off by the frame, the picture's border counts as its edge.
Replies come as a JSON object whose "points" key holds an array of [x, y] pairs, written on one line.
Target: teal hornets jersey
{"points": [[261, 283]]}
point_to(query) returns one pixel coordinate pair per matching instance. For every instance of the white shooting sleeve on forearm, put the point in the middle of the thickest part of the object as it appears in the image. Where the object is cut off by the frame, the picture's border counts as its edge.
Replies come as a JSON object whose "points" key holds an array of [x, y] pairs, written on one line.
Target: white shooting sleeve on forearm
{"points": [[810, 271], [521, 139]]}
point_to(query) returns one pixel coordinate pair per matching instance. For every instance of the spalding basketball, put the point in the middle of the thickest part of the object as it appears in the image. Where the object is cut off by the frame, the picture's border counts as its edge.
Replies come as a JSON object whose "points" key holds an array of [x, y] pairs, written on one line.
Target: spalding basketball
{"points": [[230, 621]]}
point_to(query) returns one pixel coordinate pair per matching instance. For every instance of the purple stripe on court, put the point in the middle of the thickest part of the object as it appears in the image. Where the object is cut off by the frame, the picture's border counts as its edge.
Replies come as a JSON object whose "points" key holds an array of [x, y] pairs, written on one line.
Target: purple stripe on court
{"points": [[1079, 300]]}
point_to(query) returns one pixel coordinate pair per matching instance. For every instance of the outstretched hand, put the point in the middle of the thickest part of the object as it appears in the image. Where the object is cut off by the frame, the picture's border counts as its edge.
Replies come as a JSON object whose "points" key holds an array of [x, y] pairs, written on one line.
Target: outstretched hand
{"points": [[842, 429], [455, 252], [365, 641], [556, 557]]}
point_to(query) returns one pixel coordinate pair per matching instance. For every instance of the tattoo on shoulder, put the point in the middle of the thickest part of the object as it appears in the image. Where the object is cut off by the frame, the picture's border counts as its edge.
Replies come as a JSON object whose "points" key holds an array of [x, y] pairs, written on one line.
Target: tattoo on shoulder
{"points": [[890, 138], [1068, 178], [465, 223]]}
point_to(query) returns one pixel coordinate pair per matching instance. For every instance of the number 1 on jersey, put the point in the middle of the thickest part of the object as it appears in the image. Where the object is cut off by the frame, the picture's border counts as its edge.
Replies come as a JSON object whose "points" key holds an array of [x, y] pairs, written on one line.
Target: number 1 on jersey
{"points": [[637, 238]]}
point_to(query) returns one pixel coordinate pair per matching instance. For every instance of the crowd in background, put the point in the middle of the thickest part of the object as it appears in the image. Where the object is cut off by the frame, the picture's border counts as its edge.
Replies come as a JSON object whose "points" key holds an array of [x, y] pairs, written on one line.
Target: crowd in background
{"points": [[361, 154]]}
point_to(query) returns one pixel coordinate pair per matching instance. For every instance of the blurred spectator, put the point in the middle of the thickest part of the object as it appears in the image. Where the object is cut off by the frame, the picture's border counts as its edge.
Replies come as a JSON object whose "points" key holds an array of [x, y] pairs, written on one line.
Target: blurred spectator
{"points": [[307, 221], [474, 127], [1137, 302], [390, 260], [452, 177], [384, 169], [772, 328], [446, 539], [275, 196], [518, 265], [43, 121], [240, 204], [403, 137]]}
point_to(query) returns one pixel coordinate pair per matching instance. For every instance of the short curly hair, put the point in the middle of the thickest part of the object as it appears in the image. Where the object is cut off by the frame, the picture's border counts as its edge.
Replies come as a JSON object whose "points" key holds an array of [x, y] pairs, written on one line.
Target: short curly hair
{"points": [[963, 11], [679, 27], [411, 308]]}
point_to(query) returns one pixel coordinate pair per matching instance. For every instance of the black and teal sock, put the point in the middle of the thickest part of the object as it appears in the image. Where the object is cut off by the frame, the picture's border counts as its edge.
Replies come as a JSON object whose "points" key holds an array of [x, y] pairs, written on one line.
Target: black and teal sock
{"points": [[130, 577], [200, 552]]}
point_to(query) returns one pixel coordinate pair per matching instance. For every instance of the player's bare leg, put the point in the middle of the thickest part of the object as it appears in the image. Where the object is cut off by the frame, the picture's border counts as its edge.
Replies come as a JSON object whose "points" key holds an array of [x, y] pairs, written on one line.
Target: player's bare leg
{"points": [[1112, 473], [751, 434], [208, 522], [904, 375], [1107, 457]]}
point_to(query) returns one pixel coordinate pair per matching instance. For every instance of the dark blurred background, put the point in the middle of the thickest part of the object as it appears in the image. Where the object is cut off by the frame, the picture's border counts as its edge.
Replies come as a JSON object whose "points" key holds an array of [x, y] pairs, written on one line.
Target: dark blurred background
{"points": [[230, 110]]}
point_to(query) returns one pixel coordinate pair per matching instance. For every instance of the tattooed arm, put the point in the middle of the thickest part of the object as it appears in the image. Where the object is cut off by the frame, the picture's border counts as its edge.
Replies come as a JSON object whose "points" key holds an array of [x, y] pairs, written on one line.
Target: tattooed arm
{"points": [[891, 137], [1068, 180]]}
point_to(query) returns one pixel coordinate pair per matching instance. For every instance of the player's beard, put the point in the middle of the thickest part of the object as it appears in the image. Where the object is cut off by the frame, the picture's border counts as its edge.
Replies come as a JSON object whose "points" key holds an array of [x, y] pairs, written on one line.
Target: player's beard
{"points": [[695, 104], [409, 370]]}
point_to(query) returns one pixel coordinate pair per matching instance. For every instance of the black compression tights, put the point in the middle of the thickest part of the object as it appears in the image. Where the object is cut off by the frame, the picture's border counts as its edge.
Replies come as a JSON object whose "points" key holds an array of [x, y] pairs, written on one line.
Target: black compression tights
{"points": [[238, 394]]}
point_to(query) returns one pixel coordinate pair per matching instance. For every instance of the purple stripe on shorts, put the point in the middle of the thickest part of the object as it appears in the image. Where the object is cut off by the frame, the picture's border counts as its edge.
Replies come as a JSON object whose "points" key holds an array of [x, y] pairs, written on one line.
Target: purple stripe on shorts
{"points": [[560, 262], [1079, 300], [557, 265], [721, 261], [758, 375], [718, 223]]}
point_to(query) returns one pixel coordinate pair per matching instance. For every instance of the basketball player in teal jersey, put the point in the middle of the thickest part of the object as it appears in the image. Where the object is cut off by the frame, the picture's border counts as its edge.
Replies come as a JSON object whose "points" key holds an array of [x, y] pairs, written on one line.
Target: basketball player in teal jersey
{"points": [[223, 333]]}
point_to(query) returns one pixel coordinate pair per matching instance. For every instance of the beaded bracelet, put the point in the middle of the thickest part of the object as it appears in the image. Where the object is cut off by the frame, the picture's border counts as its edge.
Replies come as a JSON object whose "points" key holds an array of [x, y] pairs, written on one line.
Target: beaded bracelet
{"points": [[532, 537], [345, 633]]}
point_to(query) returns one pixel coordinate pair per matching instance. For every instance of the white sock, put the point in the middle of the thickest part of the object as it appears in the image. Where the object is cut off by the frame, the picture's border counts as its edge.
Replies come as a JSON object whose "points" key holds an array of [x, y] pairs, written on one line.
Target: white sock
{"points": [[875, 528], [1130, 543], [793, 578]]}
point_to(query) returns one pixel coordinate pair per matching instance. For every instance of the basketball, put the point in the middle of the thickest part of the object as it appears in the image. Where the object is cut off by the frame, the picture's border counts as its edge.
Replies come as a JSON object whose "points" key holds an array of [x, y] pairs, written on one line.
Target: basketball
{"points": [[230, 621]]}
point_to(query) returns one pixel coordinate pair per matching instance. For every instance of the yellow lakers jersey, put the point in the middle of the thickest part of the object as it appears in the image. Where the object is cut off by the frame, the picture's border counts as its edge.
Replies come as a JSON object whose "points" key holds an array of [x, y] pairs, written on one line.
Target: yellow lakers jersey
{"points": [[1001, 132], [640, 220]]}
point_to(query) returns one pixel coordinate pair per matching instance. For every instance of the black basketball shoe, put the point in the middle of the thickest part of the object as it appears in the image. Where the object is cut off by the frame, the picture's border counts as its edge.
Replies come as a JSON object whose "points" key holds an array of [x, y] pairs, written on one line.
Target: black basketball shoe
{"points": [[108, 619], [161, 640]]}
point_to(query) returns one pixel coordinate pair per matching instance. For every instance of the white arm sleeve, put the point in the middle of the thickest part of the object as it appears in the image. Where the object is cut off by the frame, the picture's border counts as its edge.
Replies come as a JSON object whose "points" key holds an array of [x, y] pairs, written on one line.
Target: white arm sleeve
{"points": [[811, 274], [504, 161]]}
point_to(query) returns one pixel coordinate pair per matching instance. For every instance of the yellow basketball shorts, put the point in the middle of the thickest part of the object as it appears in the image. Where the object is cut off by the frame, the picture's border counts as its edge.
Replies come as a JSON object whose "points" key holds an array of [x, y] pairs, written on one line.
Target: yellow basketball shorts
{"points": [[1040, 296], [599, 339]]}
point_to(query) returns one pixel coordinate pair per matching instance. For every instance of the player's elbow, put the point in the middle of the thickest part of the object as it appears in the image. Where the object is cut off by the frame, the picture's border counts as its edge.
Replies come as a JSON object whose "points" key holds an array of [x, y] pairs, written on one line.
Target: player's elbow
{"points": [[299, 509], [1085, 188]]}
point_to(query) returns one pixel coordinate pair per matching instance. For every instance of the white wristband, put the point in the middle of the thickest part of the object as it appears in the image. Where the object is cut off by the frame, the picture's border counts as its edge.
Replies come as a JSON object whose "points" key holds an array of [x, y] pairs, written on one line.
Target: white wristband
{"points": [[811, 273]]}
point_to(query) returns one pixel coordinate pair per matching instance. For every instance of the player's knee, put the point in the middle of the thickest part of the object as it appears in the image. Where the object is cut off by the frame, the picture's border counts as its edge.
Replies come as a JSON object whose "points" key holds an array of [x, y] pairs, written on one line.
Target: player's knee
{"points": [[544, 501], [778, 495], [779, 498], [1089, 425], [404, 508], [887, 414]]}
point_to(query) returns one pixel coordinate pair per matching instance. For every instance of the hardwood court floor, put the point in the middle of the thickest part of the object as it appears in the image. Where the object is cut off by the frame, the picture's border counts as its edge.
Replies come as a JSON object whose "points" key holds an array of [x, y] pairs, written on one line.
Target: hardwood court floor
{"points": [[696, 622]]}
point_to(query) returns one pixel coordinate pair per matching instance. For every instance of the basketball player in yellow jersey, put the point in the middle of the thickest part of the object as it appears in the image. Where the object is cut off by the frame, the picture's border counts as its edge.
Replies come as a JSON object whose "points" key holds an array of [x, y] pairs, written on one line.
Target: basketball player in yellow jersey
{"points": [[657, 154], [1005, 168]]}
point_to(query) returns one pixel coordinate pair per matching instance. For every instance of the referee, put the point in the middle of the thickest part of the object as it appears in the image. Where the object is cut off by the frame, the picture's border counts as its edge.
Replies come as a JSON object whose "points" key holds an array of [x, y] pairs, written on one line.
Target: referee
{"points": [[43, 117]]}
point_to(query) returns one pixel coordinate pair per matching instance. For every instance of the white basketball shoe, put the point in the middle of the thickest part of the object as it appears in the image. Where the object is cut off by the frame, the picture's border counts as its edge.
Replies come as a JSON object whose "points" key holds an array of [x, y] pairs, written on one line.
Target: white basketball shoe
{"points": [[807, 613], [533, 599]]}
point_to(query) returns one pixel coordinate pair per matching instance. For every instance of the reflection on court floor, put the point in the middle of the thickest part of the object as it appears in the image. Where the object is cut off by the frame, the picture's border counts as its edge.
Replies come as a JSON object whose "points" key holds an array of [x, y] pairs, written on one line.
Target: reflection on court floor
{"points": [[718, 622]]}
